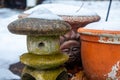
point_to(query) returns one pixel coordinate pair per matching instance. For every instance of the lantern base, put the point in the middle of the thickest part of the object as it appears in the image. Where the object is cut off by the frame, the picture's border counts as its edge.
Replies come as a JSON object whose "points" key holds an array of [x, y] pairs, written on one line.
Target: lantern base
{"points": [[50, 74]]}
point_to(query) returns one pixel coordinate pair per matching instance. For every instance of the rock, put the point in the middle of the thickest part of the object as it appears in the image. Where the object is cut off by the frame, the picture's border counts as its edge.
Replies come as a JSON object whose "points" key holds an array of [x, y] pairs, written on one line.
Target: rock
{"points": [[16, 68]]}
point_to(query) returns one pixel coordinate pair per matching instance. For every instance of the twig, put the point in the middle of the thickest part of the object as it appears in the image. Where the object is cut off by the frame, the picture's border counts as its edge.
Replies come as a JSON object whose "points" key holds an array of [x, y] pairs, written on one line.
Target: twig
{"points": [[80, 7], [108, 10]]}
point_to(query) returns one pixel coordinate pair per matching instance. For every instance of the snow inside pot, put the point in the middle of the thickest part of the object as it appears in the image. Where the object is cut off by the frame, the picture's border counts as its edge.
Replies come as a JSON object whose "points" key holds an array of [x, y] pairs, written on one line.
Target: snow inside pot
{"points": [[44, 60], [100, 50]]}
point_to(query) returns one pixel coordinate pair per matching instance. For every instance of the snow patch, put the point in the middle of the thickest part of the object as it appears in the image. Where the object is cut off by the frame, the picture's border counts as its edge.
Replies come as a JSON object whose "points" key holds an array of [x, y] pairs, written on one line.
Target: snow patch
{"points": [[44, 13], [113, 73], [5, 74], [31, 3], [6, 12], [64, 9], [113, 26], [112, 40], [12, 46]]}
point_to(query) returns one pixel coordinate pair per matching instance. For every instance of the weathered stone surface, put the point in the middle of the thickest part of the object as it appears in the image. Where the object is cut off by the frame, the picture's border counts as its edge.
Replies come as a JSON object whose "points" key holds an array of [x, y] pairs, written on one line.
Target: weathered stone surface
{"points": [[41, 27], [51, 74], [43, 61], [43, 45]]}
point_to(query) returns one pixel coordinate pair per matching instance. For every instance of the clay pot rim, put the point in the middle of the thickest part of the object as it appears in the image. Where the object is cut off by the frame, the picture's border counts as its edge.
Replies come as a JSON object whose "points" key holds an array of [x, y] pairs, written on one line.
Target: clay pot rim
{"points": [[80, 19], [94, 32]]}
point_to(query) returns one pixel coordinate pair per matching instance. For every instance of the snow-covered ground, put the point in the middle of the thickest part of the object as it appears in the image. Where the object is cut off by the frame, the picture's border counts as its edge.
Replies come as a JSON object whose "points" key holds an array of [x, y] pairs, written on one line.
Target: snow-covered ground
{"points": [[12, 46], [9, 49]]}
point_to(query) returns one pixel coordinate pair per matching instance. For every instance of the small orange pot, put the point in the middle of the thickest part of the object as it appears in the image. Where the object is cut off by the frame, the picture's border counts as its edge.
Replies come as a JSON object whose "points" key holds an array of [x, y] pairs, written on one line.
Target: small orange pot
{"points": [[100, 52]]}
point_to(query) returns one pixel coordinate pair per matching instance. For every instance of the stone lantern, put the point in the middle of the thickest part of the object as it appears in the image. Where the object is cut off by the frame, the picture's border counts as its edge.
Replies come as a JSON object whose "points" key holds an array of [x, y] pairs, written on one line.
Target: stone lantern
{"points": [[43, 61]]}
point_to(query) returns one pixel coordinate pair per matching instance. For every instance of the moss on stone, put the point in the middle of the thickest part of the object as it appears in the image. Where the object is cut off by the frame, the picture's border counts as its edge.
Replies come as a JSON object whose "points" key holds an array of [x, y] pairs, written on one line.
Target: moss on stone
{"points": [[51, 74], [43, 61]]}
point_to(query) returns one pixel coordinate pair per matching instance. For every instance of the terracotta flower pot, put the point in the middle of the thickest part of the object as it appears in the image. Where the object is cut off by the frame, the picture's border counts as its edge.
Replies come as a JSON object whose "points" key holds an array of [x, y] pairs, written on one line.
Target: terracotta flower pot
{"points": [[100, 51]]}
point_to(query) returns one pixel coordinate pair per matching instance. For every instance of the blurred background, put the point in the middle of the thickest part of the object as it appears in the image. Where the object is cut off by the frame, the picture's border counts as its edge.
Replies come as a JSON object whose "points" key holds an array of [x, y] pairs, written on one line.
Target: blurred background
{"points": [[17, 6], [23, 4]]}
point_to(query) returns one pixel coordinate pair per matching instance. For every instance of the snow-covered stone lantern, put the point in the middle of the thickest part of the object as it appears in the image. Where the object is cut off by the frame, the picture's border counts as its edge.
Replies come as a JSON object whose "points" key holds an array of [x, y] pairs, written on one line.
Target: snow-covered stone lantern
{"points": [[44, 60]]}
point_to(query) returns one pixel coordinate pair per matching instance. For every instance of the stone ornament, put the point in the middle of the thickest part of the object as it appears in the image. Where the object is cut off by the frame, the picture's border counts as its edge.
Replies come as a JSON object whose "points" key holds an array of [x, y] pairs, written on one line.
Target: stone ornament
{"points": [[44, 60], [40, 27]]}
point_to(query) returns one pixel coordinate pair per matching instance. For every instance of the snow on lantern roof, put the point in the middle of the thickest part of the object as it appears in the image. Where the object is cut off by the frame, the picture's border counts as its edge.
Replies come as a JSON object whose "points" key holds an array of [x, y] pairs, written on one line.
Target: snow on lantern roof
{"points": [[113, 26], [63, 9], [44, 13]]}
